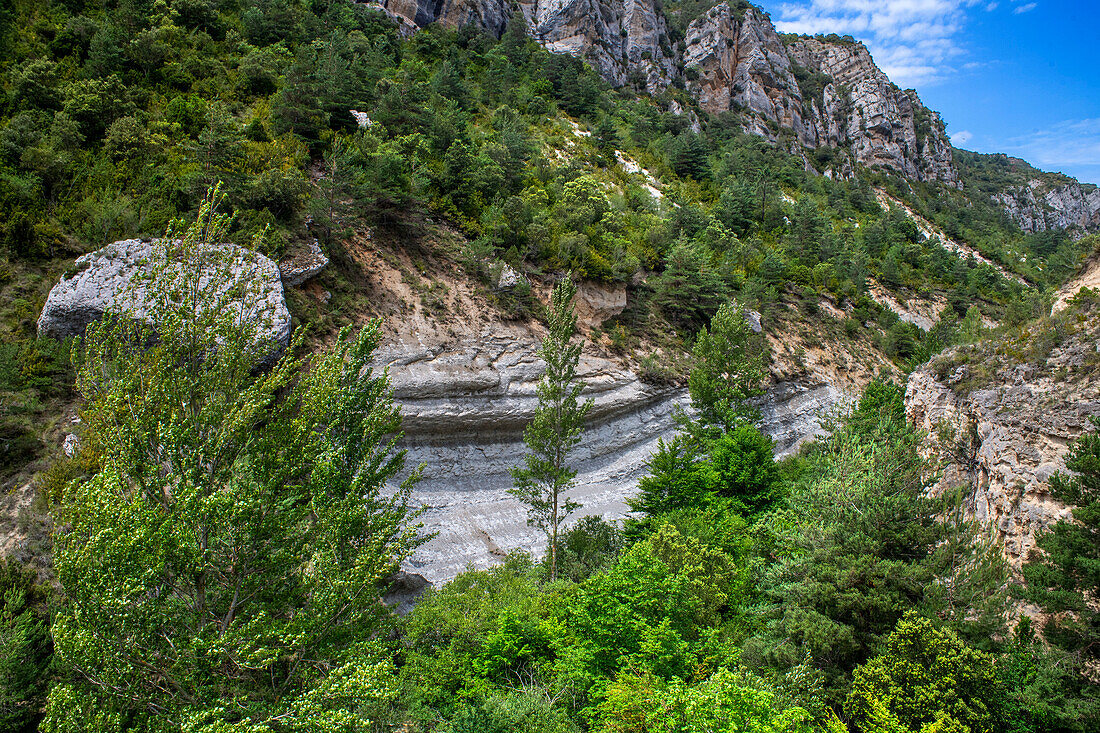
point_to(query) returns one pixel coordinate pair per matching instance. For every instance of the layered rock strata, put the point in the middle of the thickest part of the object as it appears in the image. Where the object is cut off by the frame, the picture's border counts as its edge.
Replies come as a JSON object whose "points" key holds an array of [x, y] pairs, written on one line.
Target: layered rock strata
{"points": [[465, 407]]}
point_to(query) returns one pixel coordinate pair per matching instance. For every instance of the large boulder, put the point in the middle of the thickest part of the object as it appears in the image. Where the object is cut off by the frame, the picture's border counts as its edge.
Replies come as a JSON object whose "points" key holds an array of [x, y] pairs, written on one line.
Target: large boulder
{"points": [[113, 279]]}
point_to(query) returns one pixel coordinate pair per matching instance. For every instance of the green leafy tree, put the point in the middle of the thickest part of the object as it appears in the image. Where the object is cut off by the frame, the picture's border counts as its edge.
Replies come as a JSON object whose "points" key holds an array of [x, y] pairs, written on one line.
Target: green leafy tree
{"points": [[677, 477], [556, 429], [651, 611], [222, 568], [726, 702], [1063, 574], [728, 370], [744, 464], [925, 679]]}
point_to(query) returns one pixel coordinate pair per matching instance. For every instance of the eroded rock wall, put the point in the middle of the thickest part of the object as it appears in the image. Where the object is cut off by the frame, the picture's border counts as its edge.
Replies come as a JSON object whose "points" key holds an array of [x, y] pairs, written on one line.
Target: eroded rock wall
{"points": [[1038, 207], [465, 407], [624, 40], [866, 113], [1003, 426]]}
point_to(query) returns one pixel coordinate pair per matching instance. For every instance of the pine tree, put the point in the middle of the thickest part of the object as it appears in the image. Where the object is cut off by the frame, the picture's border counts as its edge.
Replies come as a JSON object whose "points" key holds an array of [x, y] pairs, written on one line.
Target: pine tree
{"points": [[1063, 575], [728, 370], [556, 428]]}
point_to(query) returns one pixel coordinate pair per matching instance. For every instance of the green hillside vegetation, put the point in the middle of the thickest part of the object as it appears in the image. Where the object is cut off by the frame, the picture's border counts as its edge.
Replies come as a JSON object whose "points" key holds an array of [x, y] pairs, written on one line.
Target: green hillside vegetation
{"points": [[117, 117], [219, 559]]}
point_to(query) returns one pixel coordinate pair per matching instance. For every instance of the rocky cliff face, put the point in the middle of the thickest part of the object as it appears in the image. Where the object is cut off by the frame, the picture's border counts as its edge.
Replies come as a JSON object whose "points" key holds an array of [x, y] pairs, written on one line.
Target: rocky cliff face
{"points": [[863, 111], [731, 59], [1039, 206], [736, 61], [492, 15], [626, 40], [1001, 418], [465, 406]]}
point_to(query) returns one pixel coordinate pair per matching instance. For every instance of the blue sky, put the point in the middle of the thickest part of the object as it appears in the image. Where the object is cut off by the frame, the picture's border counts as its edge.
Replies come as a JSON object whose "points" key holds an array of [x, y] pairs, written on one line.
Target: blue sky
{"points": [[1012, 76]]}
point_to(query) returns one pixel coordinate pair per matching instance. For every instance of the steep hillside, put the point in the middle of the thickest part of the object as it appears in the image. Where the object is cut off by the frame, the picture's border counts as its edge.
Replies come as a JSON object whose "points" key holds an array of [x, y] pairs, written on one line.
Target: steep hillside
{"points": [[1035, 200]]}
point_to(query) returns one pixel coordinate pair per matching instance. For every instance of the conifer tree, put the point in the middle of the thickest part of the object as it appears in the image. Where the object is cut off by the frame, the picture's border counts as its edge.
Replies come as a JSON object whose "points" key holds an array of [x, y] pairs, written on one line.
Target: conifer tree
{"points": [[1063, 574], [556, 428], [728, 370]]}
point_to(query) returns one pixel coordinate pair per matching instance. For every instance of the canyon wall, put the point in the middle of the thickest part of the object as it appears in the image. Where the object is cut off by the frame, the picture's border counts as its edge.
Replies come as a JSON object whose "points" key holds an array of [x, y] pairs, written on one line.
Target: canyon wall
{"points": [[732, 59], [1040, 207], [1002, 416], [465, 406]]}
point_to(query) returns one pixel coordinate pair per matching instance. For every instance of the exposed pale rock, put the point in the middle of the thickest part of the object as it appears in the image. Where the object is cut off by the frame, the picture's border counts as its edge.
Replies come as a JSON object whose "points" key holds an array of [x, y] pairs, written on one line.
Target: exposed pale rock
{"points": [[492, 15], [739, 62], [1089, 278], [1009, 436], [869, 115], [622, 39], [112, 280], [303, 266], [362, 119], [1038, 207], [595, 303], [735, 60], [465, 407], [508, 277]]}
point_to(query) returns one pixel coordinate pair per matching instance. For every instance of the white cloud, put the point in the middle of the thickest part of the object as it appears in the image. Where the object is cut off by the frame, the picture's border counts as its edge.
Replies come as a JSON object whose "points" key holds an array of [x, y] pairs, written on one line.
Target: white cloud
{"points": [[1072, 146], [914, 41], [1025, 8], [991, 7], [961, 138]]}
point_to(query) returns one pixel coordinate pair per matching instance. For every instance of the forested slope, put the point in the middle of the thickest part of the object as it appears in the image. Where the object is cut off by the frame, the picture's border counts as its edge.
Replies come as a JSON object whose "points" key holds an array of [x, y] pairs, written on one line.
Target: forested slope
{"points": [[743, 594]]}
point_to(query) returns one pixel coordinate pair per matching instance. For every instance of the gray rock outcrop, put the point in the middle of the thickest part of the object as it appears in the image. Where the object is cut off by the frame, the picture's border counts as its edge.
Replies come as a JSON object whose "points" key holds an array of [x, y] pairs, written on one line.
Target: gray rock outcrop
{"points": [[492, 15], [736, 61], [1040, 207], [465, 407], [732, 59], [625, 40], [1003, 427], [303, 266], [113, 280], [863, 111]]}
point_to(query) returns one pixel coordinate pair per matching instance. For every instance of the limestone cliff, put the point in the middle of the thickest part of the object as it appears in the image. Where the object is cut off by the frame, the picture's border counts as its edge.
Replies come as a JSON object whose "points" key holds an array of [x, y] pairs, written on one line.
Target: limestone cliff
{"points": [[824, 94], [736, 61], [626, 40], [492, 15], [863, 111], [1038, 206], [732, 59], [465, 379], [1001, 417]]}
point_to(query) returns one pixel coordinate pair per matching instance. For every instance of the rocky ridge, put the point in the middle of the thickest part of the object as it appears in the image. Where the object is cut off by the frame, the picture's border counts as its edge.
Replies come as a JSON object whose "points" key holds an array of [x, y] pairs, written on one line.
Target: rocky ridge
{"points": [[1039, 206], [732, 59]]}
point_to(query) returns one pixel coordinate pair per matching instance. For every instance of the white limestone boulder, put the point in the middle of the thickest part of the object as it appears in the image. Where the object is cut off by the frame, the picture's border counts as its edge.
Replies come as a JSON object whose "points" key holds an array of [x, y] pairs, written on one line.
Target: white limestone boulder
{"points": [[115, 279]]}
